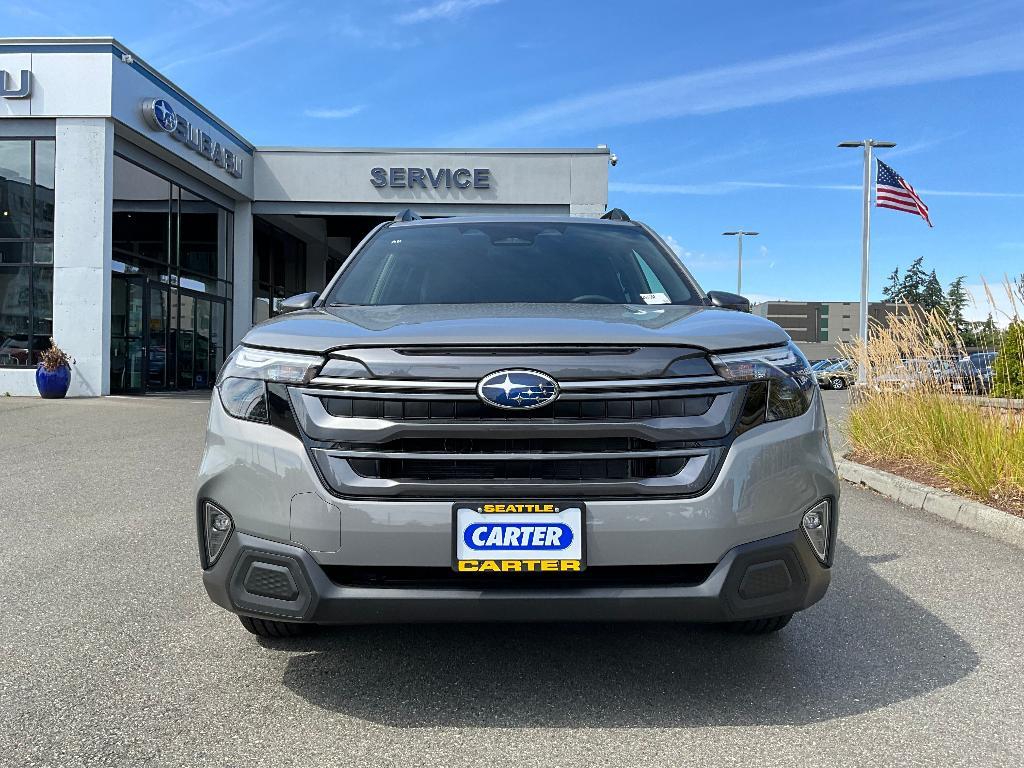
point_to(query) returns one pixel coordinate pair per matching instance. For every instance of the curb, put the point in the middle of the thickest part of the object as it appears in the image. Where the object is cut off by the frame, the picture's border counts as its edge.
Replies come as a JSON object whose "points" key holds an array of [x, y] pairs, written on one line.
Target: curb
{"points": [[972, 515], [1003, 403]]}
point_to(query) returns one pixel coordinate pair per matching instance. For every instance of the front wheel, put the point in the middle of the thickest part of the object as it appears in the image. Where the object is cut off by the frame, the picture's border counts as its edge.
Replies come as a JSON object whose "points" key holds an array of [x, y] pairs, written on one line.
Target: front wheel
{"points": [[270, 628], [838, 382], [760, 626]]}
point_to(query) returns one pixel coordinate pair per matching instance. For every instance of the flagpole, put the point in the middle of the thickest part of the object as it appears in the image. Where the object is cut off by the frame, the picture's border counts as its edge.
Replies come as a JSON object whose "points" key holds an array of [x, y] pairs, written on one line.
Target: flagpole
{"points": [[865, 268], [865, 264]]}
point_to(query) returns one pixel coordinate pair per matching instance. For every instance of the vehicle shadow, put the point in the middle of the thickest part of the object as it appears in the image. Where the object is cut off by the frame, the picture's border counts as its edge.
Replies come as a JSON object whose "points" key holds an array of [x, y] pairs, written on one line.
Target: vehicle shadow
{"points": [[865, 646]]}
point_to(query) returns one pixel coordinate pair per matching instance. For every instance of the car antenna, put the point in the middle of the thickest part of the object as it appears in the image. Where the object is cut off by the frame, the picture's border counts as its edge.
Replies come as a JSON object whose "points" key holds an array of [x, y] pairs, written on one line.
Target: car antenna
{"points": [[616, 214], [408, 215]]}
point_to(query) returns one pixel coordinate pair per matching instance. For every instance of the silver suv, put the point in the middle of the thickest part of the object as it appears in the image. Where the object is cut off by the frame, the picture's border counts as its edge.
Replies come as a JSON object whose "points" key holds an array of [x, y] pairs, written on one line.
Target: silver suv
{"points": [[515, 419]]}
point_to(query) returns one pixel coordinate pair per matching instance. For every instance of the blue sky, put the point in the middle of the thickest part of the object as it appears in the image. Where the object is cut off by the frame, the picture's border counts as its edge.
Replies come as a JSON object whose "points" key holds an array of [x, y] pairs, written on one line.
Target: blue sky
{"points": [[723, 115]]}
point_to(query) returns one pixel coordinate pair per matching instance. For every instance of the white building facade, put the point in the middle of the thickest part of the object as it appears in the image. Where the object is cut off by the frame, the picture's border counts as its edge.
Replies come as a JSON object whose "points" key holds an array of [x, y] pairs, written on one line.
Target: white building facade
{"points": [[146, 236]]}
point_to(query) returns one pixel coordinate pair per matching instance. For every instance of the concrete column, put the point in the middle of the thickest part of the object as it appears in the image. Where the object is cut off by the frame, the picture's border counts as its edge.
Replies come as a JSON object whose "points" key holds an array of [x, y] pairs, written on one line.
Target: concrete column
{"points": [[241, 320], [81, 249]]}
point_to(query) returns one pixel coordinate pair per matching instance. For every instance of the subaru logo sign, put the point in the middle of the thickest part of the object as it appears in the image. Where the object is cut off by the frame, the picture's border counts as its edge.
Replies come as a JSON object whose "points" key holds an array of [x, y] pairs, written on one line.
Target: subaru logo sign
{"points": [[160, 114], [517, 390]]}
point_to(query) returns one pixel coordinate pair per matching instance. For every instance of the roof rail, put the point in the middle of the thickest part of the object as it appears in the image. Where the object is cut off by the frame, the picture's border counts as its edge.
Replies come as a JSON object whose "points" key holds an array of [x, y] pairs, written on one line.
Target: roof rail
{"points": [[616, 214], [408, 215]]}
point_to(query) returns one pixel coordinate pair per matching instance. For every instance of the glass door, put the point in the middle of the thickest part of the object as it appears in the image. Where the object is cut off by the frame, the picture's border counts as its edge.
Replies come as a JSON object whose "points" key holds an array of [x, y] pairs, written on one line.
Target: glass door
{"points": [[185, 337], [200, 338], [158, 328], [127, 335], [201, 353]]}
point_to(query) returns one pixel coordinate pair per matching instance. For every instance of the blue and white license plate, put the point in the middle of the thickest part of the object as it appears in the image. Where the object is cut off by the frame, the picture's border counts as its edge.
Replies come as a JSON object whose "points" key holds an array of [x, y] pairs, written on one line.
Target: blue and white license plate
{"points": [[518, 537]]}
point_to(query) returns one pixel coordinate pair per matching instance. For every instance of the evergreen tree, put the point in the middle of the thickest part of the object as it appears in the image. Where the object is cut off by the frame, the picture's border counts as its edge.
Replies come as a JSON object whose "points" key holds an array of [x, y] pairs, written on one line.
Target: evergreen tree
{"points": [[1008, 369], [913, 283], [932, 296], [891, 292], [956, 303]]}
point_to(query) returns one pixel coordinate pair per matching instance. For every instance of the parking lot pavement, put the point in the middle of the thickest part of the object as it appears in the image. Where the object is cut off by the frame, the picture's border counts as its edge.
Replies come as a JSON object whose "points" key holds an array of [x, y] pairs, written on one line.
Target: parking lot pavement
{"points": [[110, 653]]}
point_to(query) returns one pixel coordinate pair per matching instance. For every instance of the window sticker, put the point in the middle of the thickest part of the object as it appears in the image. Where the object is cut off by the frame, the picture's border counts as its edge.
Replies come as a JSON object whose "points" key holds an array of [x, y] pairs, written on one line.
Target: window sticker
{"points": [[655, 298]]}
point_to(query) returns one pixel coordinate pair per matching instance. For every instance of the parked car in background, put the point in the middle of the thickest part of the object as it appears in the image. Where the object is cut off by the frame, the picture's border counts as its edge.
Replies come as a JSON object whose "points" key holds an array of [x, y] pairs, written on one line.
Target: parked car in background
{"points": [[820, 365], [909, 374], [972, 374], [837, 376]]}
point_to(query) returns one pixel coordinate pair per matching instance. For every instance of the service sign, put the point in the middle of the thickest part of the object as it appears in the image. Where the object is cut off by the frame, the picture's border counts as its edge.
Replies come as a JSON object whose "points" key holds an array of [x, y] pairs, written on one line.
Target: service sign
{"points": [[518, 537]]}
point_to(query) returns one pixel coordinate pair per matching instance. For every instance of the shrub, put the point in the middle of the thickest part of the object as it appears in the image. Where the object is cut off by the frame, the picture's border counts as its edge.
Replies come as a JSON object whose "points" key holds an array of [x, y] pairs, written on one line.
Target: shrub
{"points": [[55, 357], [1008, 369]]}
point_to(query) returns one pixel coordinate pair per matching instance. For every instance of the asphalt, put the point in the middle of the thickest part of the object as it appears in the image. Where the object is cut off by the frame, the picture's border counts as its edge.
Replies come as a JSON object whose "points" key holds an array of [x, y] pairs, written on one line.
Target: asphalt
{"points": [[111, 655]]}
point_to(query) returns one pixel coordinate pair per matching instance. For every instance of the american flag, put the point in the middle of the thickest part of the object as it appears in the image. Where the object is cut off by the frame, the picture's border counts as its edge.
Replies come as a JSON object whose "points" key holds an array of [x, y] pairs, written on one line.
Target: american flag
{"points": [[893, 191]]}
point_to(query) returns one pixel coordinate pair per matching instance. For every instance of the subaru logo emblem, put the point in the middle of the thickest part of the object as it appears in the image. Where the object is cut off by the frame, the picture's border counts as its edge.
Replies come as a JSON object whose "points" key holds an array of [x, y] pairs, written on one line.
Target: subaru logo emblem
{"points": [[160, 114], [517, 390]]}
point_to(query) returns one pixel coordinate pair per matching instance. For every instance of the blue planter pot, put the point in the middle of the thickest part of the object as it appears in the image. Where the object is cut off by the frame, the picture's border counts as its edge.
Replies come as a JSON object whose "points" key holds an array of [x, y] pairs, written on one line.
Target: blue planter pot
{"points": [[53, 384]]}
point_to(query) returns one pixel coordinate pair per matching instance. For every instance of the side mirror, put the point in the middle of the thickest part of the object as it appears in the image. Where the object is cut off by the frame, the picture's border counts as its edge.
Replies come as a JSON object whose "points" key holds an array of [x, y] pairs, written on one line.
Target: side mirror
{"points": [[295, 303], [727, 300]]}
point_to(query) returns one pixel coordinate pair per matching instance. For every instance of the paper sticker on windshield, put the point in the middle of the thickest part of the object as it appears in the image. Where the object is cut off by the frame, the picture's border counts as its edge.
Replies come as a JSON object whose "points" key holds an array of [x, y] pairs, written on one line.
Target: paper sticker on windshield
{"points": [[655, 298]]}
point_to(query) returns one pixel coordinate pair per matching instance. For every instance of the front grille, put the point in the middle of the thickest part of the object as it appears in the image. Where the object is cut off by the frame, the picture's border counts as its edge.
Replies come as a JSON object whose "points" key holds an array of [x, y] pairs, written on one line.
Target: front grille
{"points": [[474, 410], [530, 470], [405, 437], [524, 459], [612, 576], [518, 446]]}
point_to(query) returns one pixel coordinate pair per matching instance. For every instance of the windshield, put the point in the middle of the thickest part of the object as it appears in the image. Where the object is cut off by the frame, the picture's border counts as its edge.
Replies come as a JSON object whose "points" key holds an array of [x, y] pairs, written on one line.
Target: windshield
{"points": [[512, 262]]}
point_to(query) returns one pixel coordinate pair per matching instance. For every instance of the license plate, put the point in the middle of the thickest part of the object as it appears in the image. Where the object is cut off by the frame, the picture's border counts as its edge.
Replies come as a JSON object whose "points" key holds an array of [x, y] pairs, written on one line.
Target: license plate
{"points": [[518, 537]]}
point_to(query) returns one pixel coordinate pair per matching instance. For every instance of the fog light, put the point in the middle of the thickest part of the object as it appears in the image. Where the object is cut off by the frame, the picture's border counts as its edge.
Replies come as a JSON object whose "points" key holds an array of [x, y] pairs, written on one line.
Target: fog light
{"points": [[816, 527], [217, 531]]}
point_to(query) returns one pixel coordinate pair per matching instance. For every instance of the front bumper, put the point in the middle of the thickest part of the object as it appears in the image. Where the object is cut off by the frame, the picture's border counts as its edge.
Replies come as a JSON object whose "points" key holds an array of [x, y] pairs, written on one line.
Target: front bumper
{"points": [[769, 577]]}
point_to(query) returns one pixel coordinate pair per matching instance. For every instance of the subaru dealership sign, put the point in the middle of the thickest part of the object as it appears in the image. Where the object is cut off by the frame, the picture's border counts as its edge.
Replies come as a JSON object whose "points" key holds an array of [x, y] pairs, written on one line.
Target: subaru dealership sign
{"points": [[160, 115]]}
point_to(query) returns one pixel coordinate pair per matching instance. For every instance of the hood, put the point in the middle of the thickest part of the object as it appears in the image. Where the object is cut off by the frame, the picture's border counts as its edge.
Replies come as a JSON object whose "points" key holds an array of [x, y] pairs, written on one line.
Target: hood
{"points": [[324, 329]]}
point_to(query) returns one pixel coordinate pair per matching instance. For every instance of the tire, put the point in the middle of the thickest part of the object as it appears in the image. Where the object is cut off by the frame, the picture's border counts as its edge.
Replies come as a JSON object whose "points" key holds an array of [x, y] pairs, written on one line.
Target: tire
{"points": [[275, 629], [760, 626], [838, 382]]}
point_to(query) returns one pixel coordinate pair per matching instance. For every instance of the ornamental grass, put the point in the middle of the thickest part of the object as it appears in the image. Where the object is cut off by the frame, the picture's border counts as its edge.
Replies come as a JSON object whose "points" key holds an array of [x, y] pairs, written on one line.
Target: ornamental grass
{"points": [[912, 418]]}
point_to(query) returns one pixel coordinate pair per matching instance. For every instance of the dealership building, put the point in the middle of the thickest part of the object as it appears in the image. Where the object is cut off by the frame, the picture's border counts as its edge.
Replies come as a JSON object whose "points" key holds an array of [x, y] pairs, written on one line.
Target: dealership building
{"points": [[147, 236]]}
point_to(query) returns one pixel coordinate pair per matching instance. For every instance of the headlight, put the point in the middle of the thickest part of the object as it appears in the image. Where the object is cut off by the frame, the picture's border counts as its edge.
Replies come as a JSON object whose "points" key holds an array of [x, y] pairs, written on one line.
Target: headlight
{"points": [[782, 384], [242, 382]]}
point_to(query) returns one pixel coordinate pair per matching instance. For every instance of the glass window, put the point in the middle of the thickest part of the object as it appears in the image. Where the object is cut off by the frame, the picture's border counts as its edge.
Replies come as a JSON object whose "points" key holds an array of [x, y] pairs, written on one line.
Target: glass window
{"points": [[15, 318], [279, 268], [26, 236], [15, 189], [44, 186], [14, 252], [201, 235]]}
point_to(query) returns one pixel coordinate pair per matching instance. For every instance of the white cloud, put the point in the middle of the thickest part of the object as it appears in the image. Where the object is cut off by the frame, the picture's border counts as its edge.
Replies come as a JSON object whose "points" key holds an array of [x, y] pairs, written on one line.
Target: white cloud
{"points": [[446, 9], [727, 187], [710, 188], [334, 114], [676, 246], [207, 53], [966, 45]]}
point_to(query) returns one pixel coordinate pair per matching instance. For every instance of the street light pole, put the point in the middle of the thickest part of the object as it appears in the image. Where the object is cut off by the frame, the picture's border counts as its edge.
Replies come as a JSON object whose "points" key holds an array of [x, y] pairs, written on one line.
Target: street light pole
{"points": [[739, 233], [865, 270]]}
